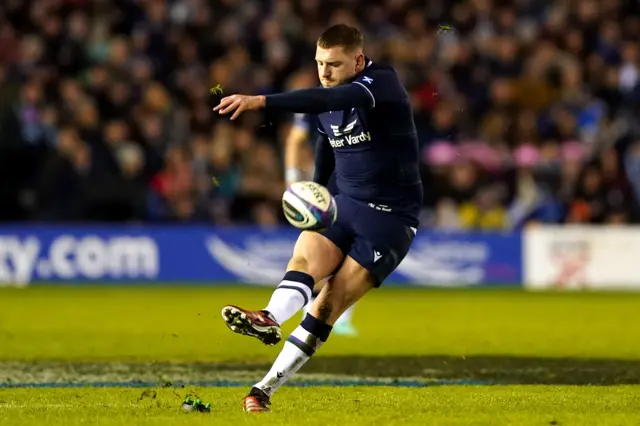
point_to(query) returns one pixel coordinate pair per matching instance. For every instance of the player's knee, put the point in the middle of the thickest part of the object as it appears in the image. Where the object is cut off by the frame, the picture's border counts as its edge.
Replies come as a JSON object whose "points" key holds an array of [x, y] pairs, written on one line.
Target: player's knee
{"points": [[315, 255], [313, 267], [298, 263]]}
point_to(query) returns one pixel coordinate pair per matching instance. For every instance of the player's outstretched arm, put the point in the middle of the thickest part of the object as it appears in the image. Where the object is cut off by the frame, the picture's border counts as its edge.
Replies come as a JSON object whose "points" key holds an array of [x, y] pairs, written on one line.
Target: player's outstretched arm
{"points": [[324, 161], [318, 100], [315, 100]]}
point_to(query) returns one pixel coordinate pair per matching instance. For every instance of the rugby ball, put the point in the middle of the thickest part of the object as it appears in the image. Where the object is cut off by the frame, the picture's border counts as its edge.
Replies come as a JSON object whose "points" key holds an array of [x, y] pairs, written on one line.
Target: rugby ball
{"points": [[309, 206]]}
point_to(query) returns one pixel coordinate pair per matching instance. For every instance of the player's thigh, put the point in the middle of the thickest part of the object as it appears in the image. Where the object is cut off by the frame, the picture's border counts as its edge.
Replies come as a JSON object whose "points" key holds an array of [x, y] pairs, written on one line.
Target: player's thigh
{"points": [[381, 242], [332, 186], [316, 255], [320, 253], [349, 284]]}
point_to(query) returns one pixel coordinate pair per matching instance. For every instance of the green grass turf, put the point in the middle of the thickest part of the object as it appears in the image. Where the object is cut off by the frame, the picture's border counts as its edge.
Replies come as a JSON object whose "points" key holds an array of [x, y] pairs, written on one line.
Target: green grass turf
{"points": [[455, 405], [147, 324], [481, 334]]}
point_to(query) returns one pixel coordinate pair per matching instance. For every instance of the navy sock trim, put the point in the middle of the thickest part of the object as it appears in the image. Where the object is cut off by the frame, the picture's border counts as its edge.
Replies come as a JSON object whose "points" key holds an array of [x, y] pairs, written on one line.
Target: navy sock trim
{"points": [[308, 350], [299, 290], [317, 327], [300, 277]]}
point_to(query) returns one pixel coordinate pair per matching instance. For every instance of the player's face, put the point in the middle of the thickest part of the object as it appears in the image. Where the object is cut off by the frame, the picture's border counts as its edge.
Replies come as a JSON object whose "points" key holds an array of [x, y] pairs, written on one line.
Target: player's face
{"points": [[335, 66]]}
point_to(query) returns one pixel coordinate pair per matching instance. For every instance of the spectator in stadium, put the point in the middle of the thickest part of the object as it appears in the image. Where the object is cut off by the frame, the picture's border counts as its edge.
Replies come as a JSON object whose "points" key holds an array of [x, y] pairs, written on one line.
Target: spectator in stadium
{"points": [[486, 79]]}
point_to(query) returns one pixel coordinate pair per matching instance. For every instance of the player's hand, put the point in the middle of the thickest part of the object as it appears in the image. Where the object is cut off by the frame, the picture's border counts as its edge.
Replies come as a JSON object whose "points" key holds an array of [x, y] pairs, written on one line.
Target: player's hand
{"points": [[239, 104]]}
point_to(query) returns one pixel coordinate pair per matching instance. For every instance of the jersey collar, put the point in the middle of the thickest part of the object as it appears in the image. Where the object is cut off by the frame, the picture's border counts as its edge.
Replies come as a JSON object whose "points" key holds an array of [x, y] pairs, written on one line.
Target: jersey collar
{"points": [[368, 62]]}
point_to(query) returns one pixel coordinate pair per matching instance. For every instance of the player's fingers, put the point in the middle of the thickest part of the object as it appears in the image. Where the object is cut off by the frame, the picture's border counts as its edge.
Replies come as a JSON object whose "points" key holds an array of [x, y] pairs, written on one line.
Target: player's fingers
{"points": [[230, 107], [238, 111], [224, 102]]}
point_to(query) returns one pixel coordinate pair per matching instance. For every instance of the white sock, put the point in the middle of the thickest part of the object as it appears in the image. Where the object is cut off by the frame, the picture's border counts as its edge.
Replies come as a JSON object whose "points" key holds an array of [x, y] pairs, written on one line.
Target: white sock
{"points": [[297, 350], [290, 296]]}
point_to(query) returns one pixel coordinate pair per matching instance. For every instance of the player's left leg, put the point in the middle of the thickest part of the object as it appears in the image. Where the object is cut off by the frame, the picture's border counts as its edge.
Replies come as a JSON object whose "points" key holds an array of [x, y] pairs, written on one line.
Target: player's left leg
{"points": [[344, 325], [348, 285]]}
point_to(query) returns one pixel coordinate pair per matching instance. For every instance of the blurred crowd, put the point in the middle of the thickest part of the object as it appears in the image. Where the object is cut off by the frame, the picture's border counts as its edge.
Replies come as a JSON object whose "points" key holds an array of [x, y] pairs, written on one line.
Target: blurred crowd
{"points": [[527, 110]]}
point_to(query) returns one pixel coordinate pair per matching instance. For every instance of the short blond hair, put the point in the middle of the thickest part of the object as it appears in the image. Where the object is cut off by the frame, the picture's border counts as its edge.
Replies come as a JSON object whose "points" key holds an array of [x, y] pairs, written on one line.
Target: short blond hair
{"points": [[345, 36]]}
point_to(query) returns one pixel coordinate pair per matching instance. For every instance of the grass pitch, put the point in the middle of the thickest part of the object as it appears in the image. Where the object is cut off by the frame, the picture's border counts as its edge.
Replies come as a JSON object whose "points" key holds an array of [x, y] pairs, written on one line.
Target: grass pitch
{"points": [[534, 358], [454, 405]]}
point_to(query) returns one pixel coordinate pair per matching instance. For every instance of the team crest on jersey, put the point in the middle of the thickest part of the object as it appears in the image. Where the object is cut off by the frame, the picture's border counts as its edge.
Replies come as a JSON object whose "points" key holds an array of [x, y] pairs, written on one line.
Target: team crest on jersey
{"points": [[347, 129], [368, 80]]}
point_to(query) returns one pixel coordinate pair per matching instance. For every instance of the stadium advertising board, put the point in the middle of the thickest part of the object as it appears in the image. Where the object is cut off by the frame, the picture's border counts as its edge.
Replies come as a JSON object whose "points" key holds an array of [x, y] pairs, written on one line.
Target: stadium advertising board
{"points": [[580, 257], [230, 255]]}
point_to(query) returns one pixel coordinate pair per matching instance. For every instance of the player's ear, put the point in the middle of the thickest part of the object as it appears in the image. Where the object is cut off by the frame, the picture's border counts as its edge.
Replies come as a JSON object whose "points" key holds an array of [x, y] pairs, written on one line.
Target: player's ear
{"points": [[360, 61]]}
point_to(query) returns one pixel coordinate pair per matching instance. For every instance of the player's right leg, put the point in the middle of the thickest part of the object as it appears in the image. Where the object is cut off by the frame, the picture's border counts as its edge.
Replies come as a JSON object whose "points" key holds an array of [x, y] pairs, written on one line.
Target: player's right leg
{"points": [[314, 258]]}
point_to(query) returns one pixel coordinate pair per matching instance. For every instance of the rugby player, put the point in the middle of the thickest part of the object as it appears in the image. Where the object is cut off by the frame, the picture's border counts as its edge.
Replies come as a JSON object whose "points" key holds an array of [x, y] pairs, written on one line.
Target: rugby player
{"points": [[368, 138]]}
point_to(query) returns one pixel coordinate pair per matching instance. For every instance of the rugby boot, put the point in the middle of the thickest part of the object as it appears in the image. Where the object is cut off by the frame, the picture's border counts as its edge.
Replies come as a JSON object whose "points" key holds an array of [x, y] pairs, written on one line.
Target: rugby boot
{"points": [[259, 324], [256, 402]]}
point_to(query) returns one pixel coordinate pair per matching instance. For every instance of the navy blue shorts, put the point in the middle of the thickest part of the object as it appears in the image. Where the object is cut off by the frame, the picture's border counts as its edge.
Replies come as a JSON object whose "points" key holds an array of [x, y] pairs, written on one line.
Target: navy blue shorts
{"points": [[377, 240], [332, 186]]}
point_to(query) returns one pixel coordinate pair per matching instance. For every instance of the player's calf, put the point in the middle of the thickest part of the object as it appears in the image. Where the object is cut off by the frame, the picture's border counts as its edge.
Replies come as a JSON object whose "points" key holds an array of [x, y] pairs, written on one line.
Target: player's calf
{"points": [[344, 325], [342, 291], [293, 292]]}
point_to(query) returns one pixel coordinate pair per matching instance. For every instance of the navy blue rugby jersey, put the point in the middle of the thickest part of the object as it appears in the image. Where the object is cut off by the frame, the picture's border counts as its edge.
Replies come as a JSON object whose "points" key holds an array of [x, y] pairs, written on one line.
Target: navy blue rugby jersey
{"points": [[375, 146]]}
